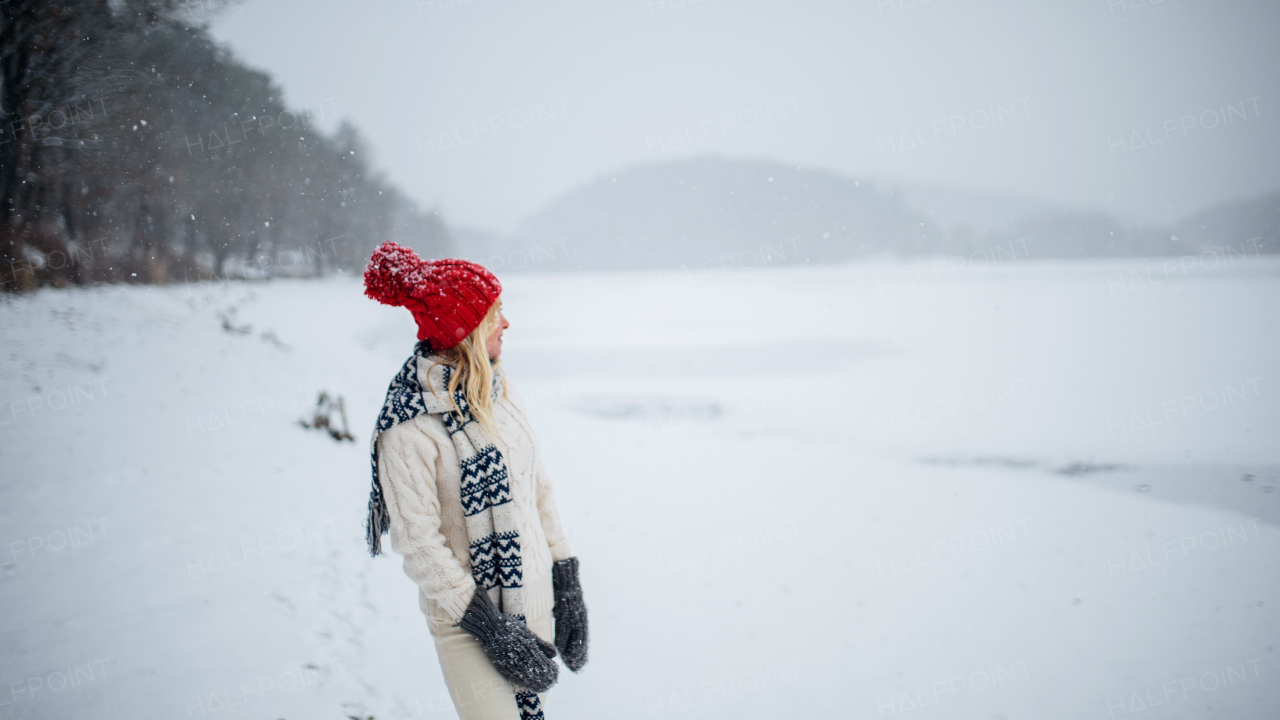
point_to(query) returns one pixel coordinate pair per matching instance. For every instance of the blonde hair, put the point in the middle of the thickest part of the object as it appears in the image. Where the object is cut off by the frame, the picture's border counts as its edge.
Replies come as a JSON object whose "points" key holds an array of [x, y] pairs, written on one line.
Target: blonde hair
{"points": [[473, 370]]}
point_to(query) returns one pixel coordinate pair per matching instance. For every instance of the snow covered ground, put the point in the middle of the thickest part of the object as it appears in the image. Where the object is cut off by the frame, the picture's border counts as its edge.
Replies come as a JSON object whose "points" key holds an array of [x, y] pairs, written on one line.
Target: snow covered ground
{"points": [[916, 490]]}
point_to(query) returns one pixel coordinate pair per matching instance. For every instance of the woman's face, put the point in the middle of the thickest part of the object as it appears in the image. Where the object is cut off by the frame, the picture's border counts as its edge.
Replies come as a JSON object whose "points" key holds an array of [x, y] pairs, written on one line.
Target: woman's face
{"points": [[494, 342]]}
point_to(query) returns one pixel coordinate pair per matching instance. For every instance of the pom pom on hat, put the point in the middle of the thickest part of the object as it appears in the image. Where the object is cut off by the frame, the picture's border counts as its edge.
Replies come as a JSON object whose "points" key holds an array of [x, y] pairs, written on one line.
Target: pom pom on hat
{"points": [[448, 298], [392, 272]]}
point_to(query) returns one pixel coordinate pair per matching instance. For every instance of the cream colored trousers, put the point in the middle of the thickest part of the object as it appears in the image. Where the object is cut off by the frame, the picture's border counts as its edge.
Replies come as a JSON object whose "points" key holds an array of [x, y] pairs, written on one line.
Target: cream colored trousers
{"points": [[477, 690]]}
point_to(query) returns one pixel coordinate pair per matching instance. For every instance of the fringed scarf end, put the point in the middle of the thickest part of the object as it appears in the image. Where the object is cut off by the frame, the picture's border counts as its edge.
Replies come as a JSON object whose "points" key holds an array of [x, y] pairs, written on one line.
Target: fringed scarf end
{"points": [[378, 522]]}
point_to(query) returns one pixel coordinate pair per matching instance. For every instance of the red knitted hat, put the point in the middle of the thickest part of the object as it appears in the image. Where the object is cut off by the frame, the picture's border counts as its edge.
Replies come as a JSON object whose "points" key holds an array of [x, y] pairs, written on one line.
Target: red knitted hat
{"points": [[448, 298]]}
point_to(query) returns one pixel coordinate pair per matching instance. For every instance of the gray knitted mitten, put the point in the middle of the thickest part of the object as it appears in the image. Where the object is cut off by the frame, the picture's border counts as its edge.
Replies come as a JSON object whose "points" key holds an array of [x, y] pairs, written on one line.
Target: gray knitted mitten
{"points": [[571, 613], [519, 655]]}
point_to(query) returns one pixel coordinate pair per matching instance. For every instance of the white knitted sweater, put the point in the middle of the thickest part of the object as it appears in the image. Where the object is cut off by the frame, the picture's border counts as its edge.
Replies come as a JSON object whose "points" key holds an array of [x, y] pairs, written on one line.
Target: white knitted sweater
{"points": [[420, 473]]}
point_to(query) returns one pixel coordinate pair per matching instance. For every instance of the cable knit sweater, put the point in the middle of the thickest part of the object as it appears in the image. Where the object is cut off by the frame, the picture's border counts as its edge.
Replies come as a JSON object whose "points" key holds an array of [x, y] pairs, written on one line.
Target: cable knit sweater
{"points": [[420, 473]]}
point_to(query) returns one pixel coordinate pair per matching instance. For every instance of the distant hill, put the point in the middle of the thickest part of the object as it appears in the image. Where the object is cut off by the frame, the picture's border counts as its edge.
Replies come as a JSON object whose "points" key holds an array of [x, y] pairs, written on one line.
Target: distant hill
{"points": [[697, 210], [1252, 222], [962, 209], [1247, 227], [710, 211]]}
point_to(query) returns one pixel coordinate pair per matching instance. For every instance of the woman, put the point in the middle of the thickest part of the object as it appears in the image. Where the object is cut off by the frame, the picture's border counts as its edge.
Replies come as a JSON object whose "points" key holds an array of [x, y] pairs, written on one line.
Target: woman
{"points": [[458, 483]]}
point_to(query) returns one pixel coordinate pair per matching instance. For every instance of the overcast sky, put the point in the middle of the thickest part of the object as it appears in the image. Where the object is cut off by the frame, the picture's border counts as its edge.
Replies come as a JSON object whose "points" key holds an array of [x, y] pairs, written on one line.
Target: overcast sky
{"points": [[489, 109]]}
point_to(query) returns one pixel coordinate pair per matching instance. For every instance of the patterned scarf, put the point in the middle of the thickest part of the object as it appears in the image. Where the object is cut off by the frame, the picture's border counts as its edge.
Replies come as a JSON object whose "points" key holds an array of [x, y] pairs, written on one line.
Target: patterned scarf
{"points": [[486, 486]]}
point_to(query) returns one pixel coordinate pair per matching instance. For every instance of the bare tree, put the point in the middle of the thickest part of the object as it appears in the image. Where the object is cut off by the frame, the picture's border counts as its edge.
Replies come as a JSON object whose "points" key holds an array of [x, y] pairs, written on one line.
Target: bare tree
{"points": [[136, 149]]}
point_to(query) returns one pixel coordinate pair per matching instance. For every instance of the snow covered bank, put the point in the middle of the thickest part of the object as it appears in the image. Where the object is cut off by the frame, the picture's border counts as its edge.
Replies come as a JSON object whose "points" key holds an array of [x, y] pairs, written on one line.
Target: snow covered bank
{"points": [[815, 492]]}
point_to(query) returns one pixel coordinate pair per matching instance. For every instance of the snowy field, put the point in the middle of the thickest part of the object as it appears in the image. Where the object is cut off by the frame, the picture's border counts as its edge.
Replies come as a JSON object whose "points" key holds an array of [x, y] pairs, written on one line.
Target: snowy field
{"points": [[1039, 490]]}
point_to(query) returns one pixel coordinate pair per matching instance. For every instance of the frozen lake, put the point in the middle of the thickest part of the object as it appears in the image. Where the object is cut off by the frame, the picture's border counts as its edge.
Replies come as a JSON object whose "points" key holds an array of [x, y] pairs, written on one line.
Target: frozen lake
{"points": [[929, 489]]}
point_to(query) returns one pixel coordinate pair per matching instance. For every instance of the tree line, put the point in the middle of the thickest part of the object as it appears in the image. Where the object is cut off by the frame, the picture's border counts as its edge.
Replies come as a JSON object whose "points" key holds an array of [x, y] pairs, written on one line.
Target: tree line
{"points": [[133, 148]]}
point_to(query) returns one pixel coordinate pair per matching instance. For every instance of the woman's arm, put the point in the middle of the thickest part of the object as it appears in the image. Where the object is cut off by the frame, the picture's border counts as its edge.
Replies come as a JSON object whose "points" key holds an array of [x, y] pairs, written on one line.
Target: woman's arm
{"points": [[550, 517], [406, 466], [570, 611]]}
